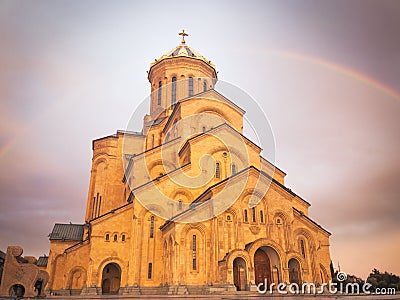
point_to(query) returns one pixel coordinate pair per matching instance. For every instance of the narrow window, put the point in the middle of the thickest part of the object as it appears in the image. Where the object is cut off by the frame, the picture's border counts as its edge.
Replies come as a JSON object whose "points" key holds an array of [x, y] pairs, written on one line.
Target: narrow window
{"points": [[159, 92], [261, 216], [150, 271], [204, 128], [94, 208], [246, 217], [180, 205], [217, 171], [204, 86], [152, 227], [107, 237], [98, 211], [253, 214], [190, 86], [152, 141], [302, 248], [123, 238], [173, 90], [115, 237], [194, 250], [233, 169]]}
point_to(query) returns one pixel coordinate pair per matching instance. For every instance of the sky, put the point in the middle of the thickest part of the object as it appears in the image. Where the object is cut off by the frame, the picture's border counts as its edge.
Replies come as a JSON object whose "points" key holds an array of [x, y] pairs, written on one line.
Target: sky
{"points": [[326, 74]]}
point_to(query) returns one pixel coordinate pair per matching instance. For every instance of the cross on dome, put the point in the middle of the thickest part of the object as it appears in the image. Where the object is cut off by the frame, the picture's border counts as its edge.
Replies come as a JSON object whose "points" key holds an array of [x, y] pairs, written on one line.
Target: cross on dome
{"points": [[183, 34]]}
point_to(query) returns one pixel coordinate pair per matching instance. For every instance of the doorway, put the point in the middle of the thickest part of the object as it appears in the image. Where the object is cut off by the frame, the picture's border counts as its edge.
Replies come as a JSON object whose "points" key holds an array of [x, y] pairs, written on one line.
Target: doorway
{"points": [[17, 290], [262, 267], [294, 271], [111, 279], [239, 274]]}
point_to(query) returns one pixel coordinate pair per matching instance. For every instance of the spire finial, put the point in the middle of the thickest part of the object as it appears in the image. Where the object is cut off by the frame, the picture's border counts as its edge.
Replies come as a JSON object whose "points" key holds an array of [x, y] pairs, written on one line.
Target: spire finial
{"points": [[183, 34]]}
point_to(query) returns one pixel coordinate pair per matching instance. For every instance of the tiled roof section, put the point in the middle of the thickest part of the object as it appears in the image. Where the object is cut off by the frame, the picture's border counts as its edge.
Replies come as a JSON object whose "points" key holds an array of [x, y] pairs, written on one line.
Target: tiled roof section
{"points": [[42, 261], [67, 232]]}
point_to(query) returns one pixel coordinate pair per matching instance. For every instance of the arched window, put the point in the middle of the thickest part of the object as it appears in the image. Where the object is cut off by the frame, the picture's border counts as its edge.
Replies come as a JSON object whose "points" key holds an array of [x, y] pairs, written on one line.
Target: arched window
{"points": [[152, 227], [302, 249], [204, 128], [152, 141], [159, 92], [194, 252], [233, 169], [123, 238], [246, 217], [190, 86], [261, 216], [150, 271], [205, 86], [180, 205], [173, 90], [253, 214], [115, 237], [217, 171], [107, 237]]}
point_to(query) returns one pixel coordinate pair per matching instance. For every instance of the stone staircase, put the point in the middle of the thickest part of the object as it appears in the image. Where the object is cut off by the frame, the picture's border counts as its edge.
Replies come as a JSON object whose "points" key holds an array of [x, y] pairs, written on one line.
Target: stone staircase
{"points": [[177, 290], [196, 289]]}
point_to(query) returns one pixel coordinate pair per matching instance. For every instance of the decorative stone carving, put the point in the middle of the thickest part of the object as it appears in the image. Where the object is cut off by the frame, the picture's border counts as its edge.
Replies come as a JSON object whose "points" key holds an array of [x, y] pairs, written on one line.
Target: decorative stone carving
{"points": [[255, 229]]}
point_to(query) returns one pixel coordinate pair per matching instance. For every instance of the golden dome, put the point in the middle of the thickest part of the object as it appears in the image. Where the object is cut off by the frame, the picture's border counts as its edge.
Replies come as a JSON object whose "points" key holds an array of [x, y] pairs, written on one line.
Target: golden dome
{"points": [[183, 50]]}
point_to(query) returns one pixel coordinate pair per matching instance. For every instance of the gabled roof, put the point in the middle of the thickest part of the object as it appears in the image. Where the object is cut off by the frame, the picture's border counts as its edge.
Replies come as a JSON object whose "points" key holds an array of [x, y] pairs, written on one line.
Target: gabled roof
{"points": [[213, 92], [310, 220], [229, 127], [217, 94], [205, 195], [67, 232]]}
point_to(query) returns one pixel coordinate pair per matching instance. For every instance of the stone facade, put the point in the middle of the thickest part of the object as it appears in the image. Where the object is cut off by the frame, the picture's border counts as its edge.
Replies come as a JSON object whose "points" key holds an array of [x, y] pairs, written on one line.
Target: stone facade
{"points": [[21, 276], [187, 205]]}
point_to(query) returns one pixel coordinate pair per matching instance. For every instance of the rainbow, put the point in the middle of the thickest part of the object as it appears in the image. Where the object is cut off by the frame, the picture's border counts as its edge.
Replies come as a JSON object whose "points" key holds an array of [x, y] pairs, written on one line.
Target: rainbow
{"points": [[311, 59], [341, 69]]}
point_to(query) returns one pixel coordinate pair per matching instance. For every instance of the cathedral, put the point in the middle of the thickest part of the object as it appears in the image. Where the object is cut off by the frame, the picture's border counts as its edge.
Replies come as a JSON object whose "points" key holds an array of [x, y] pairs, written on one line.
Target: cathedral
{"points": [[187, 205]]}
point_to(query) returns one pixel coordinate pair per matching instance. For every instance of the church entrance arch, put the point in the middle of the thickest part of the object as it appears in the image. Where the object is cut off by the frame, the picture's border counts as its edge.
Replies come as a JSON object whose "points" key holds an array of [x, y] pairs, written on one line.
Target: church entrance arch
{"points": [[294, 271], [111, 279], [239, 274]]}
